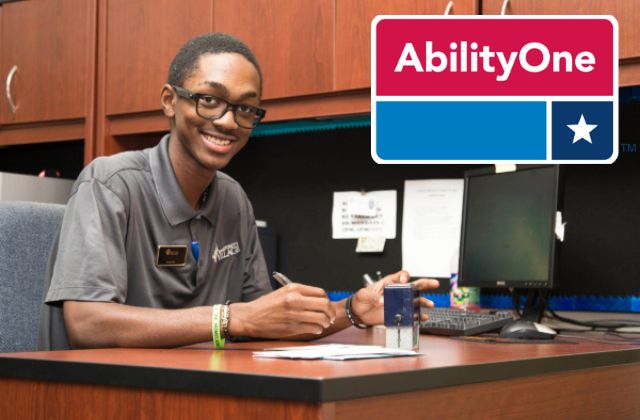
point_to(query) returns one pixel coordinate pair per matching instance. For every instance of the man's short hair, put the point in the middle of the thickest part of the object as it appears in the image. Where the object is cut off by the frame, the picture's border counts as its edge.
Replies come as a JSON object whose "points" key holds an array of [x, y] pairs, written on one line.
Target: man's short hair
{"points": [[186, 60]]}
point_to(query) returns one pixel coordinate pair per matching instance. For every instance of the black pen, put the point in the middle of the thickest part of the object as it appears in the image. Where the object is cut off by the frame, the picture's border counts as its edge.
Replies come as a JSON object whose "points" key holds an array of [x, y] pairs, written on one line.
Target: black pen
{"points": [[281, 278]]}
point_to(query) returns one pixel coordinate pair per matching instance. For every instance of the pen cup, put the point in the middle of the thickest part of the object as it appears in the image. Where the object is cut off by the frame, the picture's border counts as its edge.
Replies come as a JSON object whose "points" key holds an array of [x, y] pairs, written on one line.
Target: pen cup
{"points": [[402, 316]]}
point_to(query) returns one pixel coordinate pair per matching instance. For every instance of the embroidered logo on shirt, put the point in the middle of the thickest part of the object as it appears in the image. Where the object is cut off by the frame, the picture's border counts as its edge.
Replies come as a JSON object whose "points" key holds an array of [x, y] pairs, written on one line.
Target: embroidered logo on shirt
{"points": [[226, 251]]}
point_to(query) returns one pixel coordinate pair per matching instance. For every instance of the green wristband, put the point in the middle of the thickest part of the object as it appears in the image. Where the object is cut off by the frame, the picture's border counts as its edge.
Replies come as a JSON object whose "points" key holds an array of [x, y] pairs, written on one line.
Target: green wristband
{"points": [[218, 340]]}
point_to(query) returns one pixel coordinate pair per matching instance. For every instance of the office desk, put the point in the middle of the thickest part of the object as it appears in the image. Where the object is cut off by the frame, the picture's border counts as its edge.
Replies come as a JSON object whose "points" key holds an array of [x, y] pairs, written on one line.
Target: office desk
{"points": [[454, 378]]}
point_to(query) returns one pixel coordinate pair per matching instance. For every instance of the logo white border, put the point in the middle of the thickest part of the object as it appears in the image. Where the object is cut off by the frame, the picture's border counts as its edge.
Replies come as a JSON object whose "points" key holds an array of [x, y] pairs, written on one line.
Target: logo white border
{"points": [[547, 99]]}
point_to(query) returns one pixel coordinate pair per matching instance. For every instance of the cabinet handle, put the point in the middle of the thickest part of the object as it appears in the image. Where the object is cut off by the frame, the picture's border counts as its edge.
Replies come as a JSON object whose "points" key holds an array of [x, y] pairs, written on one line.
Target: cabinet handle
{"points": [[447, 10], [503, 9], [12, 73]]}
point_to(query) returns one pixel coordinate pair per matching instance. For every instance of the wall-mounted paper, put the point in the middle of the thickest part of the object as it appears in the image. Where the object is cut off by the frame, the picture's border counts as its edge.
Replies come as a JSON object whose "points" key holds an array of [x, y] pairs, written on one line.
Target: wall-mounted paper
{"points": [[360, 214], [370, 244], [431, 221], [559, 228]]}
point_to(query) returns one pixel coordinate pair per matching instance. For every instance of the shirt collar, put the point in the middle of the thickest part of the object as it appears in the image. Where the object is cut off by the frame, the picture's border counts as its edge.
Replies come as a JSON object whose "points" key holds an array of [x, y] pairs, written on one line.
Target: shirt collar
{"points": [[174, 205]]}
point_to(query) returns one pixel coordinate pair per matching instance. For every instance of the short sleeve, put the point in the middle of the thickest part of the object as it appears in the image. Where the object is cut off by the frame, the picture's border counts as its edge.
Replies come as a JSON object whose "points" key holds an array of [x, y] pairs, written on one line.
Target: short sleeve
{"points": [[90, 263], [256, 276]]}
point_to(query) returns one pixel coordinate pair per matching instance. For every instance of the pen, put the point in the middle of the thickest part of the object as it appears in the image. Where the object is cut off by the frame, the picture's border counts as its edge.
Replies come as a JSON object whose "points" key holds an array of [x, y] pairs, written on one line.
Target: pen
{"points": [[284, 280], [367, 279], [195, 250], [281, 278]]}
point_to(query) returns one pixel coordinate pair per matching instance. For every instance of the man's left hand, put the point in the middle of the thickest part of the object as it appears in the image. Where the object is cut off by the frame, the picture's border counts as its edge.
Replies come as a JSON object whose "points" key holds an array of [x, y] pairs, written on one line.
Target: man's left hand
{"points": [[368, 305]]}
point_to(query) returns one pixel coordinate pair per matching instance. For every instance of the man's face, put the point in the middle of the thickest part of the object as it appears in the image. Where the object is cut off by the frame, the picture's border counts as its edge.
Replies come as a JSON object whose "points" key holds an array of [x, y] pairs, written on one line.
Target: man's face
{"points": [[212, 144]]}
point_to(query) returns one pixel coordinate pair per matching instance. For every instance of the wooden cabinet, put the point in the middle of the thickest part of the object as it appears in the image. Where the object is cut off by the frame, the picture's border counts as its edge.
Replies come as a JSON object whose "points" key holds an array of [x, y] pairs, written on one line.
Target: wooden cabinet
{"points": [[138, 39], [353, 32], [627, 12], [93, 70], [292, 40], [46, 45], [351, 46], [141, 39], [314, 54], [47, 60]]}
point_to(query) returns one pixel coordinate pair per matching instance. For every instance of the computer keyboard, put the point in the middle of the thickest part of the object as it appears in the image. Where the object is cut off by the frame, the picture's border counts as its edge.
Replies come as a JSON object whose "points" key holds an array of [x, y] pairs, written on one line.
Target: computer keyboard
{"points": [[451, 321]]}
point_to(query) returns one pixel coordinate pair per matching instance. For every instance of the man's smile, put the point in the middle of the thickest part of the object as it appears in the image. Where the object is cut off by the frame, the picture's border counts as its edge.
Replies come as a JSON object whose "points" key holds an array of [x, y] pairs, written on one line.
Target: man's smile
{"points": [[216, 138]]}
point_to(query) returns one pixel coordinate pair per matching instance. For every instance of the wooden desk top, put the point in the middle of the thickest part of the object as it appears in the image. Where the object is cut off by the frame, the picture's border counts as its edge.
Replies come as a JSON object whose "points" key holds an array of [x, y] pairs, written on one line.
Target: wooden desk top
{"points": [[234, 371]]}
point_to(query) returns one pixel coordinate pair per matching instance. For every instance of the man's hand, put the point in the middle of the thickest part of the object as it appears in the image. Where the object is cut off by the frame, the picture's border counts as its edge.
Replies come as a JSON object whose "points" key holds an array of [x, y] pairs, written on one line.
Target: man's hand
{"points": [[295, 311], [367, 303], [292, 310]]}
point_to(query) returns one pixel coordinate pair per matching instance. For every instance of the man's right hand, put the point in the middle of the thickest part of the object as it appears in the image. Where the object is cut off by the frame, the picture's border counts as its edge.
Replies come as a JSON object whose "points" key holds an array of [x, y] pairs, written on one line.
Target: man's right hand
{"points": [[295, 309]]}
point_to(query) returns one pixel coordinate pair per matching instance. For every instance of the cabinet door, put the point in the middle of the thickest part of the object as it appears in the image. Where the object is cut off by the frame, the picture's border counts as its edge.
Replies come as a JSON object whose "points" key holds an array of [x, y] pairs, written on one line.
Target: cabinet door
{"points": [[48, 44], [292, 40], [142, 36], [627, 12], [353, 32]]}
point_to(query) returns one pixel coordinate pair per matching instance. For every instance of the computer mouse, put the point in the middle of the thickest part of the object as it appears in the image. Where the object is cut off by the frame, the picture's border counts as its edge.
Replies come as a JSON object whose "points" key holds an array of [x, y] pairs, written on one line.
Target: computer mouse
{"points": [[527, 330]]}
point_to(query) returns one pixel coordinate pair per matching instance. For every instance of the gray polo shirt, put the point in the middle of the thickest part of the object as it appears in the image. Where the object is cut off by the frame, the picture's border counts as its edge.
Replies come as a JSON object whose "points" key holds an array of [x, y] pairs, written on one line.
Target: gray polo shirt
{"points": [[127, 237]]}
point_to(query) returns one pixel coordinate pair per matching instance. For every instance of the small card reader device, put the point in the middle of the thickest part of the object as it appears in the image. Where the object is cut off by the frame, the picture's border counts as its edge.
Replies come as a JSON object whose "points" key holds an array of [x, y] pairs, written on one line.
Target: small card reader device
{"points": [[402, 316]]}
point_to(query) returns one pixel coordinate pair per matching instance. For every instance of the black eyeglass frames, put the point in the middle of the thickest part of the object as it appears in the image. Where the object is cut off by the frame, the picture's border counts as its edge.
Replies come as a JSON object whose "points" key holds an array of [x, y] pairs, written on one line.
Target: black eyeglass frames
{"points": [[212, 107]]}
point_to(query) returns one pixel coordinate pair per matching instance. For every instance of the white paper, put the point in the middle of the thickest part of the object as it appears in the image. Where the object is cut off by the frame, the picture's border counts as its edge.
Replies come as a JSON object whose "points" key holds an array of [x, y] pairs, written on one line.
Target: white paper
{"points": [[356, 214], [505, 167], [559, 228], [333, 352], [431, 222], [370, 244]]}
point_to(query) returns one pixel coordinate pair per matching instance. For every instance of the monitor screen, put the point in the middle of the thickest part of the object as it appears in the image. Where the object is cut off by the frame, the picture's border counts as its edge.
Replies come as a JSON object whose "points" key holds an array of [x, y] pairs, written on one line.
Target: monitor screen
{"points": [[508, 227]]}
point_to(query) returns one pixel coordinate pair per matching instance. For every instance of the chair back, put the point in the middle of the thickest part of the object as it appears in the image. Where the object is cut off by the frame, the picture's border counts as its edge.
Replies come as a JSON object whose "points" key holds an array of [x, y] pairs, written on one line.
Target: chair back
{"points": [[27, 233]]}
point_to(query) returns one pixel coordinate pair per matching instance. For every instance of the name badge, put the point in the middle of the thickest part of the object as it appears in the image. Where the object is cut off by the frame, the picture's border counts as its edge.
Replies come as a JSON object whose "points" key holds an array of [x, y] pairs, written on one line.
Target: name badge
{"points": [[171, 255]]}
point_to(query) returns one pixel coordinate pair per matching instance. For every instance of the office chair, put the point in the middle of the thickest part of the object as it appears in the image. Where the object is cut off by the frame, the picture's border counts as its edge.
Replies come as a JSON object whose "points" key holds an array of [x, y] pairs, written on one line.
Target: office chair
{"points": [[27, 232]]}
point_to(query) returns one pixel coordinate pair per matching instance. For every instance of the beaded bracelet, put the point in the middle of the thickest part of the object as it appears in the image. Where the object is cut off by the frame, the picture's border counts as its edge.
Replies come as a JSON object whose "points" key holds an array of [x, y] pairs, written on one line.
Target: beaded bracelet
{"points": [[218, 340], [225, 322], [352, 316]]}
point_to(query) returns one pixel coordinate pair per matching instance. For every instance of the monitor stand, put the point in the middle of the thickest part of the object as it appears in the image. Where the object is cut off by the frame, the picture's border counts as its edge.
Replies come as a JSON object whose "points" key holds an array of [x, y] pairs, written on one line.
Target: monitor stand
{"points": [[534, 306]]}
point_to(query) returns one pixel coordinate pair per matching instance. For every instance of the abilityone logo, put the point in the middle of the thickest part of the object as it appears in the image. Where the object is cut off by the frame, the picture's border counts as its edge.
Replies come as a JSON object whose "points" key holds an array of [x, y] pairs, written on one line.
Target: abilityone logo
{"points": [[469, 59], [482, 89]]}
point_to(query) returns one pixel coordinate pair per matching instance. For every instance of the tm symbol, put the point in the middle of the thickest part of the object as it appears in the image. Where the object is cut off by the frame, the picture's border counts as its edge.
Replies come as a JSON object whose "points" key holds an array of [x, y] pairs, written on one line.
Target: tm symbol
{"points": [[628, 147]]}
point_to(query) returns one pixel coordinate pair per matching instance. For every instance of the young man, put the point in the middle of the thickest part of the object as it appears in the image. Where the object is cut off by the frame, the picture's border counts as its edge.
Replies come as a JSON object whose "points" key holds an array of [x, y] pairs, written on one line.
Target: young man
{"points": [[158, 248]]}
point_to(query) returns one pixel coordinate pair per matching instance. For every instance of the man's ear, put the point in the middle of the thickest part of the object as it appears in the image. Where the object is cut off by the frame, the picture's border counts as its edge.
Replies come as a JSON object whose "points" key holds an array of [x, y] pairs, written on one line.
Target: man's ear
{"points": [[168, 99]]}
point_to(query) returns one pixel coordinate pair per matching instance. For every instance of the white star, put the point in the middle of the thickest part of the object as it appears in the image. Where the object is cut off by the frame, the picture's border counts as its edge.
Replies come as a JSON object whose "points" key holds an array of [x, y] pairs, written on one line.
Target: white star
{"points": [[582, 130]]}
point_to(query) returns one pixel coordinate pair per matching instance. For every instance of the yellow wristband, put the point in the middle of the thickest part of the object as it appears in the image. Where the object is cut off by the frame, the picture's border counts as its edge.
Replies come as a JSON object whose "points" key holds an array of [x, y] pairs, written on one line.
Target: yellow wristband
{"points": [[218, 340]]}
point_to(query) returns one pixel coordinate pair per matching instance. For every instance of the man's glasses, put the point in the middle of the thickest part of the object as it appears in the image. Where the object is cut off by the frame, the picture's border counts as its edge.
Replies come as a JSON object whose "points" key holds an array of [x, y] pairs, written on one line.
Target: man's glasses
{"points": [[212, 107]]}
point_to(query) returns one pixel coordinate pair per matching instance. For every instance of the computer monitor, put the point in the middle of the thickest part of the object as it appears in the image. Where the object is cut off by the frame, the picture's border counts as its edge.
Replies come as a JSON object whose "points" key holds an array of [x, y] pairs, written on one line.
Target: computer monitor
{"points": [[508, 230]]}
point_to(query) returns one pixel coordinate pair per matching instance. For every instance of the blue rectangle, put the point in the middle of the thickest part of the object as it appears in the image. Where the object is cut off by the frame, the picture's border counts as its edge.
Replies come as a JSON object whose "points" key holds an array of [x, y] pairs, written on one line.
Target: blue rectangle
{"points": [[401, 306], [461, 130], [582, 130]]}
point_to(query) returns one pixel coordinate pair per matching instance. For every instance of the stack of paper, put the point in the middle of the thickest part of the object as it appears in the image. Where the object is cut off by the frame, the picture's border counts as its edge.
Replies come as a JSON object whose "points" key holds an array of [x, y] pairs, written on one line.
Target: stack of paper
{"points": [[333, 352]]}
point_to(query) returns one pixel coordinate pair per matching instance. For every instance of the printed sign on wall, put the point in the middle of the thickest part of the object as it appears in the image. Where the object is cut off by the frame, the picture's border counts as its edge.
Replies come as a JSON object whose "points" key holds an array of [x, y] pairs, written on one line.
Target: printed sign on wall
{"points": [[480, 89]]}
